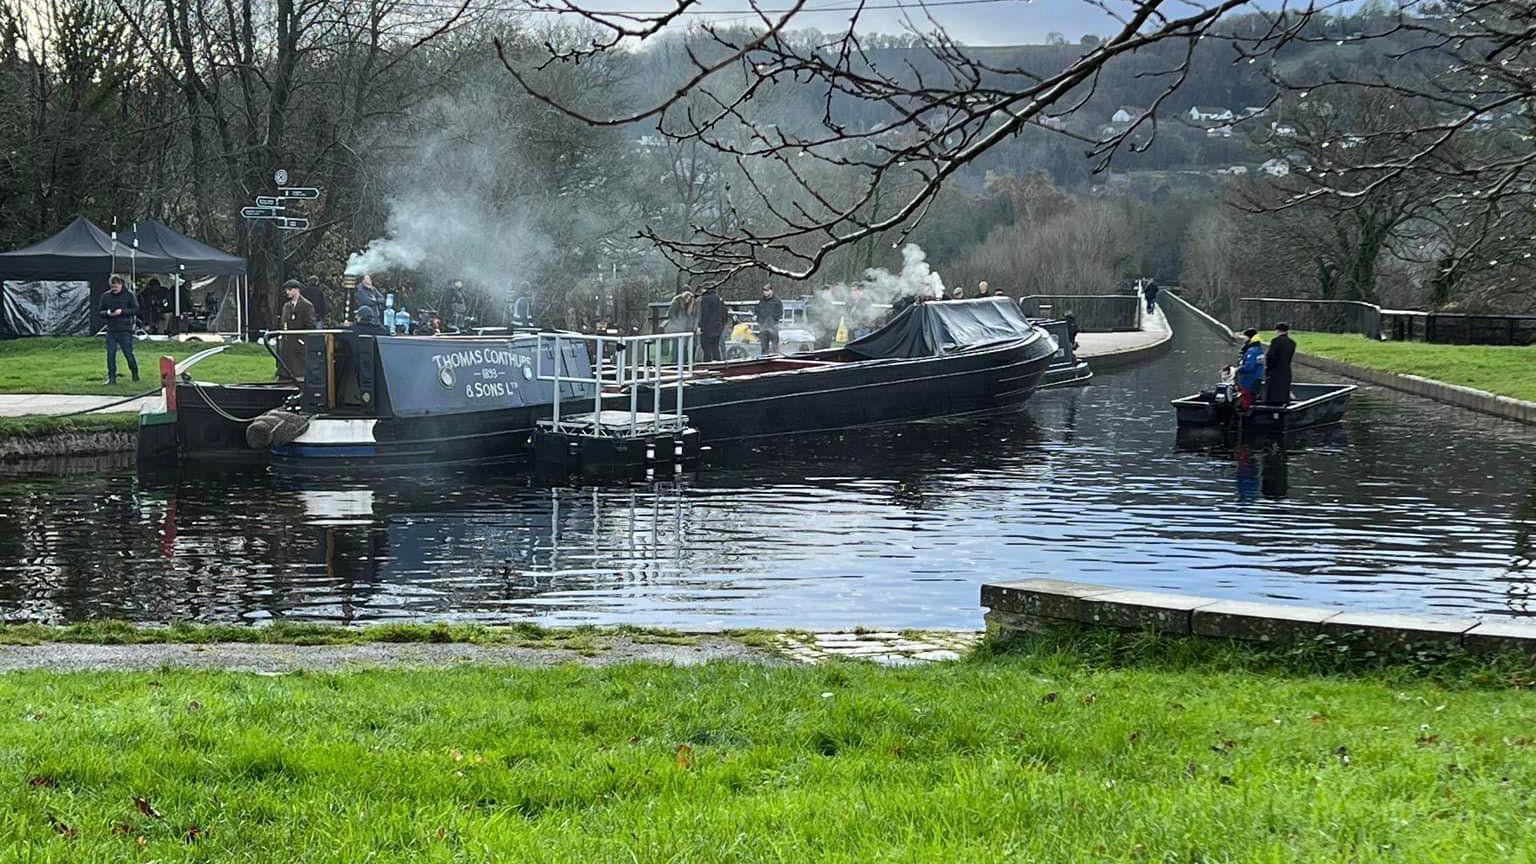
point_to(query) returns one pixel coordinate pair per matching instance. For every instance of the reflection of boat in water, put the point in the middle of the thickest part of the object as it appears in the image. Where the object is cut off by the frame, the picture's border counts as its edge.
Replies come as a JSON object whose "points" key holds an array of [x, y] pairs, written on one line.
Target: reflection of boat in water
{"points": [[1221, 440], [1313, 405], [1262, 466], [934, 359]]}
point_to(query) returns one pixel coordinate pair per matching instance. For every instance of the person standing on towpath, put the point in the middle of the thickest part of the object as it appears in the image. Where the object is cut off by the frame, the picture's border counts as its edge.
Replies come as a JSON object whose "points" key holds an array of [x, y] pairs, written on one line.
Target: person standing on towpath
{"points": [[120, 310]]}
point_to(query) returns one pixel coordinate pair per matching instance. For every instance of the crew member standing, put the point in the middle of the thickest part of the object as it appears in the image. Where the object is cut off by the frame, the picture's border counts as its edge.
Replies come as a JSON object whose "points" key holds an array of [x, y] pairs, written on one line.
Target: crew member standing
{"points": [[369, 296], [1250, 370], [298, 314], [768, 311], [1277, 366], [712, 318], [120, 310]]}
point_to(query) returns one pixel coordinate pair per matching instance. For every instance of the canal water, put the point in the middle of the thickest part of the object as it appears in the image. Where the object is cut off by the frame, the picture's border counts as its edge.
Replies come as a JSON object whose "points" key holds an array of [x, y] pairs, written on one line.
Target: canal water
{"points": [[1410, 506]]}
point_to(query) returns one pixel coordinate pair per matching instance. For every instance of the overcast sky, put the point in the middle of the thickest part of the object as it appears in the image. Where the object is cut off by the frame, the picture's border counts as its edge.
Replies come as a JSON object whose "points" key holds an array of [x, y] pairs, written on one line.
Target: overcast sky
{"points": [[996, 22]]}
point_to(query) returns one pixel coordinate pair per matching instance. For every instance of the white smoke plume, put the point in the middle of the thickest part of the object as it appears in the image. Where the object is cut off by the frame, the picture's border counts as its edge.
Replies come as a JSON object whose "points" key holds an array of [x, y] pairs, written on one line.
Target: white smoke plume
{"points": [[453, 213], [916, 279]]}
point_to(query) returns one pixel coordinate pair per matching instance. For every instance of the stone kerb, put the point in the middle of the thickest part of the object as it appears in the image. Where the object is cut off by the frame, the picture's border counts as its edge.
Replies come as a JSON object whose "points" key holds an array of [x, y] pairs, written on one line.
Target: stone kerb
{"points": [[1033, 605]]}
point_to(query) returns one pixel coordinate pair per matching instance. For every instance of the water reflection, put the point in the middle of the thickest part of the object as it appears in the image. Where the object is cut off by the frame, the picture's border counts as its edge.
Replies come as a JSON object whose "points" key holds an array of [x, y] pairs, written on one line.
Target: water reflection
{"points": [[1410, 506]]}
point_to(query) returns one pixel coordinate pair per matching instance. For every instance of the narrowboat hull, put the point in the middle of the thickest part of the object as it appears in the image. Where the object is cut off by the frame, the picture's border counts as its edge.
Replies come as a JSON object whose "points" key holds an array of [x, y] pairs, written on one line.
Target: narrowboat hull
{"points": [[806, 395], [211, 419], [1074, 374], [489, 437]]}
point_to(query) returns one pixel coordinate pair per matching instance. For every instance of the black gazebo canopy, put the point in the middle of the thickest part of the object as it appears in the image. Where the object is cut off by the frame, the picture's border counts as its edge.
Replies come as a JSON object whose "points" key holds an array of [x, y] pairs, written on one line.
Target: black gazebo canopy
{"points": [[51, 287]]}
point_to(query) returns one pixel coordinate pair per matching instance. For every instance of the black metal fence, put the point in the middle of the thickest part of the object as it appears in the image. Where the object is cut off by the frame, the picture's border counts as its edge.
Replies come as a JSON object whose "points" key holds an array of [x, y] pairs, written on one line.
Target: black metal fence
{"points": [[1401, 325], [1459, 328], [1321, 316], [1095, 313]]}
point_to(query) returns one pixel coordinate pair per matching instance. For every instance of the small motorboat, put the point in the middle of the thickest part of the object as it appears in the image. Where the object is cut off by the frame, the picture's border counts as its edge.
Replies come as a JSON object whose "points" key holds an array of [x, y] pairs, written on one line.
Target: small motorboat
{"points": [[1311, 405]]}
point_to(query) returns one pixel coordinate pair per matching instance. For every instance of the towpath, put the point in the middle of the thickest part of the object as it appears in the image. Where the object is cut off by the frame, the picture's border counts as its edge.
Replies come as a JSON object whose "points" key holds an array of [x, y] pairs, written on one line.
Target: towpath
{"points": [[888, 648], [20, 404], [1097, 346]]}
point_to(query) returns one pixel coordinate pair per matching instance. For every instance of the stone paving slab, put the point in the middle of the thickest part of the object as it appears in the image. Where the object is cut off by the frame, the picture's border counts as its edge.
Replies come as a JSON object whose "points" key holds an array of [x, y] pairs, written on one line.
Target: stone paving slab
{"points": [[885, 647], [1143, 610], [1259, 622], [1497, 637], [1041, 598], [1388, 632]]}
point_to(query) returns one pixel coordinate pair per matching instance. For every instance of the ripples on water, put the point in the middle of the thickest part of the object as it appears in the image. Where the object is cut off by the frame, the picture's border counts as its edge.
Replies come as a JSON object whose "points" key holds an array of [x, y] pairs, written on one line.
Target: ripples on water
{"points": [[1410, 506]]}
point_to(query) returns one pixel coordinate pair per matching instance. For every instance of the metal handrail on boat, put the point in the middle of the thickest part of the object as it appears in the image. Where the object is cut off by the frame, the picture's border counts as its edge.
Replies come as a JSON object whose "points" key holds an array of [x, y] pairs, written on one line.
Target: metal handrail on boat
{"points": [[632, 363]]}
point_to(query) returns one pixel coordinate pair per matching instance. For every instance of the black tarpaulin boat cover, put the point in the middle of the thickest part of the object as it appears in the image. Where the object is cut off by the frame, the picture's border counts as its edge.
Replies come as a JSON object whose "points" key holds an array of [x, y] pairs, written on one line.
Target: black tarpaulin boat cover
{"points": [[944, 326]]}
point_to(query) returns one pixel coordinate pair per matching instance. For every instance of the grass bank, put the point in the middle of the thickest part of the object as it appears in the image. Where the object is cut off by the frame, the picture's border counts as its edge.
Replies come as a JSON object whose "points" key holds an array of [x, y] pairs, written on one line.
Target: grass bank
{"points": [[75, 366], [1062, 749], [1495, 368], [43, 426]]}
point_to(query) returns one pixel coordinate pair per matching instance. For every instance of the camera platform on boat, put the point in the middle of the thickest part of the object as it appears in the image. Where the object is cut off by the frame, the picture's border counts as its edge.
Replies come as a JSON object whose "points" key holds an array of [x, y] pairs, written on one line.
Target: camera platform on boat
{"points": [[616, 438]]}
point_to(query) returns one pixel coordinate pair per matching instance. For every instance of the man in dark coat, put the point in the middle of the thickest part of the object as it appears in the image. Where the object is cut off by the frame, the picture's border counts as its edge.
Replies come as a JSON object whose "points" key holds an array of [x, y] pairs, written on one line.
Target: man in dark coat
{"points": [[1277, 365], [768, 312], [120, 310], [367, 295], [298, 314], [712, 318], [316, 297]]}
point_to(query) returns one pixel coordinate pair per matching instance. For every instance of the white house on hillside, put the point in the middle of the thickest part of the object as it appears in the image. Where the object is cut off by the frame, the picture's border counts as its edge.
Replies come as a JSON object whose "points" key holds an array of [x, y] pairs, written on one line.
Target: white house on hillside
{"points": [[1205, 114], [1125, 114], [1276, 167], [1284, 130]]}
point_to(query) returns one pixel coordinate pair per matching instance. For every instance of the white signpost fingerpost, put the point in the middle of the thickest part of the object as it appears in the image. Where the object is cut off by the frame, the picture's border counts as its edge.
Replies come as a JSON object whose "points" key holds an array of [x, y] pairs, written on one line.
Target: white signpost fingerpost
{"points": [[269, 208]]}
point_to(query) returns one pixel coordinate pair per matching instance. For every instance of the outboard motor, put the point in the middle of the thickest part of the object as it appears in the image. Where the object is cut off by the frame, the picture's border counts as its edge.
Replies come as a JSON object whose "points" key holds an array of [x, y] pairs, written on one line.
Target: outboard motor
{"points": [[1225, 399]]}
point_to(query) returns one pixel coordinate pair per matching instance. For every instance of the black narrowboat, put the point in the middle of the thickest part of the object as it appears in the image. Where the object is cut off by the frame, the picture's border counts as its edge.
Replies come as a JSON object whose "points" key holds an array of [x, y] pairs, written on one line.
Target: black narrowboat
{"points": [[403, 400], [934, 359]]}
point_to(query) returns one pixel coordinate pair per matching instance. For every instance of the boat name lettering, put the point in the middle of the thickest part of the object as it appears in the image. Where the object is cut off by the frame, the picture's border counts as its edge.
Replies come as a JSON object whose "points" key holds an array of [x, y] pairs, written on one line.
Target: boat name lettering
{"points": [[480, 357]]}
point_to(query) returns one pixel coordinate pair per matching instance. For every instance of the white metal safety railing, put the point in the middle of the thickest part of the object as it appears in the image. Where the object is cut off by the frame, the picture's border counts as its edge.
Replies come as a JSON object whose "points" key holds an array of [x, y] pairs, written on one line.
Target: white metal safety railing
{"points": [[628, 364]]}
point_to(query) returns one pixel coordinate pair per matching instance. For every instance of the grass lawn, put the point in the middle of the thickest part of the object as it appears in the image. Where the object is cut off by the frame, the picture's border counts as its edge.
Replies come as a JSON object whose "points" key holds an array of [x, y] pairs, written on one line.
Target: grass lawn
{"points": [[1498, 369], [79, 365], [1059, 751], [41, 426]]}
